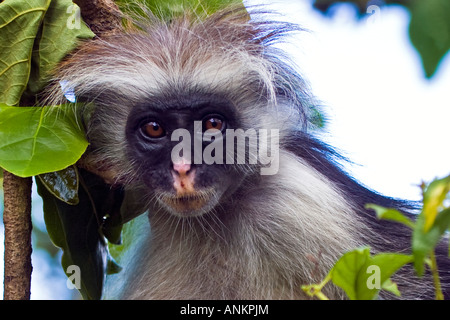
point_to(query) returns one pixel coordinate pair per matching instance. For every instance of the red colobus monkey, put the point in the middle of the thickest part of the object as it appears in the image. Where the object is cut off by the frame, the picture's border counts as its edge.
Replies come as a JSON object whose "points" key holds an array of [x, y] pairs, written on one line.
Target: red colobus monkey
{"points": [[213, 127]]}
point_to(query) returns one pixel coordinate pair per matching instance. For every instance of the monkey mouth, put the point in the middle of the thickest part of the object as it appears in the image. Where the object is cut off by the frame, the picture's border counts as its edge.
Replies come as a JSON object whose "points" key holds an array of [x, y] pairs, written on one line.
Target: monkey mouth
{"points": [[189, 204]]}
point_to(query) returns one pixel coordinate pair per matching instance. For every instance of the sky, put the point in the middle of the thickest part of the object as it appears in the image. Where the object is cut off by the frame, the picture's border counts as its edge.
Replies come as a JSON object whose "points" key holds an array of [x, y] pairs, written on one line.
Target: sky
{"points": [[383, 114], [391, 122]]}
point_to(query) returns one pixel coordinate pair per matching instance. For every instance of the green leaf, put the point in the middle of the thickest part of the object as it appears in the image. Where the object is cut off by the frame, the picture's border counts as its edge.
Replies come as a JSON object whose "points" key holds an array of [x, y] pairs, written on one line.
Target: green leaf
{"points": [[433, 200], [390, 286], [112, 267], [35, 36], [62, 184], [132, 205], [390, 214], [130, 232], [61, 31], [429, 31], [423, 242], [166, 9], [112, 219], [432, 222], [346, 271], [388, 264], [75, 230], [124, 206], [19, 25], [36, 140], [362, 276]]}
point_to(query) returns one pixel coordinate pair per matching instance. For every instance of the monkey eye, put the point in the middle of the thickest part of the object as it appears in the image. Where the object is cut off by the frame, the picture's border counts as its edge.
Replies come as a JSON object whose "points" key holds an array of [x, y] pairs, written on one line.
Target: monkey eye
{"points": [[153, 130], [213, 122]]}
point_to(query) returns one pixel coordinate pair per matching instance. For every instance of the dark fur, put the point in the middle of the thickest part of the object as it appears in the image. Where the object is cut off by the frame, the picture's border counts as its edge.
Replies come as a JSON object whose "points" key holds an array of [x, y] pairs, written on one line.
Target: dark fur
{"points": [[392, 236], [253, 244]]}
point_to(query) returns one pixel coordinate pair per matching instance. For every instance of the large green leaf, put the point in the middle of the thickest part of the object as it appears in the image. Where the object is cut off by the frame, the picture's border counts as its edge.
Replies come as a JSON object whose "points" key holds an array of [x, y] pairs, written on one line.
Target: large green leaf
{"points": [[63, 184], [19, 25], [61, 31], [432, 222], [35, 35], [429, 31], [39, 140], [76, 229], [423, 242], [356, 271], [433, 200]]}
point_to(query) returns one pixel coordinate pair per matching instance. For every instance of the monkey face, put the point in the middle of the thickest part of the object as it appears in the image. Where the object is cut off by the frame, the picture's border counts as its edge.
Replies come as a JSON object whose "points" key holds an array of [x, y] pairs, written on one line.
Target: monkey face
{"points": [[178, 148], [169, 104]]}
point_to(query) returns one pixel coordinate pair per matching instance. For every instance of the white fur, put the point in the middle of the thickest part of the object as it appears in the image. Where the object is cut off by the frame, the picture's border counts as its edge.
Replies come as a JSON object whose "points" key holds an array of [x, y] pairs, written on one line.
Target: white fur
{"points": [[276, 232], [290, 237]]}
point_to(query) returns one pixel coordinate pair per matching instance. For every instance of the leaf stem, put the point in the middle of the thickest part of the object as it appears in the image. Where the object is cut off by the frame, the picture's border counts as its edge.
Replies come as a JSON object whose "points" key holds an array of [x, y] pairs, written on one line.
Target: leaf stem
{"points": [[315, 290], [436, 279]]}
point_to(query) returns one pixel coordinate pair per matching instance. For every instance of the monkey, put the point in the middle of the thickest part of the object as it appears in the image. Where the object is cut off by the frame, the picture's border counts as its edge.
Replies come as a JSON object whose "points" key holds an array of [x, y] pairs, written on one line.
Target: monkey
{"points": [[177, 104]]}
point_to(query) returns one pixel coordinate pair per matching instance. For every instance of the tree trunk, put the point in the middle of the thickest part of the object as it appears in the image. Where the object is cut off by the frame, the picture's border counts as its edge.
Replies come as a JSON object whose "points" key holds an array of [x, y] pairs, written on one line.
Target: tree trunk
{"points": [[17, 223], [102, 16]]}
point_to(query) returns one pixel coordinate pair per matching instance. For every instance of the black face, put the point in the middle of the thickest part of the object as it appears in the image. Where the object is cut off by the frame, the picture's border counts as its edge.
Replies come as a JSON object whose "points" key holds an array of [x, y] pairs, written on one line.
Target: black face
{"points": [[180, 172]]}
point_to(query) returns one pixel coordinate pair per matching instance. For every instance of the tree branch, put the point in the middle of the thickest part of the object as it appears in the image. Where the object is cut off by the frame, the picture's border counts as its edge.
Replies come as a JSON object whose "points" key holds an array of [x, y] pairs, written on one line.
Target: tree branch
{"points": [[17, 223], [102, 16]]}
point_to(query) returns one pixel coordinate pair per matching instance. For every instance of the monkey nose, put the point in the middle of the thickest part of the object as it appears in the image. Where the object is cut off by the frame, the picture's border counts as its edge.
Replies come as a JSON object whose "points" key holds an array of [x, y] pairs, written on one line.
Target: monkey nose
{"points": [[182, 167], [183, 177]]}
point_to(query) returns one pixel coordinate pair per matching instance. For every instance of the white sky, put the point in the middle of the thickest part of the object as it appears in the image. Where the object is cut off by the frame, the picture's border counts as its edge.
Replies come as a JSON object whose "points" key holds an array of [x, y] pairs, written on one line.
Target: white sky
{"points": [[383, 114]]}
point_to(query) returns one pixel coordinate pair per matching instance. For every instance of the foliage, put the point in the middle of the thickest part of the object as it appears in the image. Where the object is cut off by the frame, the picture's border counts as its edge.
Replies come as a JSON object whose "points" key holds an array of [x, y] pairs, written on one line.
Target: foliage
{"points": [[362, 276], [166, 9], [34, 140], [34, 38], [428, 29], [75, 228]]}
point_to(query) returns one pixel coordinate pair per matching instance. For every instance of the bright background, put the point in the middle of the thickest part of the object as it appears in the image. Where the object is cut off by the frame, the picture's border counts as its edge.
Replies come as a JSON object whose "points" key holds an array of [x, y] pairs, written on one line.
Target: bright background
{"points": [[383, 114]]}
